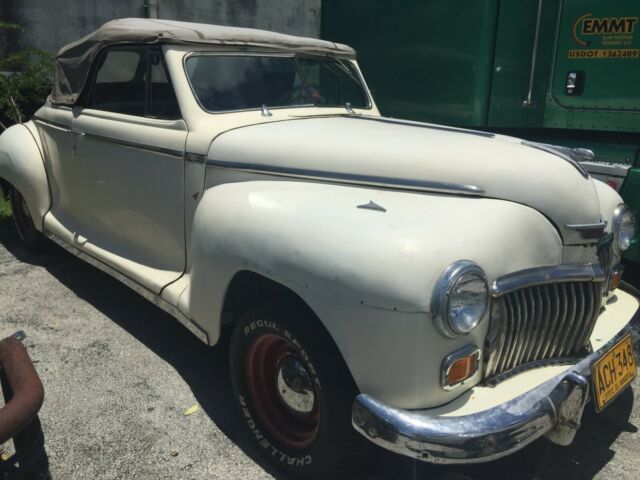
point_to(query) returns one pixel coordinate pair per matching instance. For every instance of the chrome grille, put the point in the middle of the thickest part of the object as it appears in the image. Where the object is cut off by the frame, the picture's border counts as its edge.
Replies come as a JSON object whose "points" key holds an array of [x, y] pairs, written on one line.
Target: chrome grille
{"points": [[606, 259], [543, 322]]}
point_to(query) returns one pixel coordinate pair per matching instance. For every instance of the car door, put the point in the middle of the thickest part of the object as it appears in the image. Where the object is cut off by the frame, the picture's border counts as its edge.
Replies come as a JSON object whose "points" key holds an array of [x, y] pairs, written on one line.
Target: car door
{"points": [[129, 144]]}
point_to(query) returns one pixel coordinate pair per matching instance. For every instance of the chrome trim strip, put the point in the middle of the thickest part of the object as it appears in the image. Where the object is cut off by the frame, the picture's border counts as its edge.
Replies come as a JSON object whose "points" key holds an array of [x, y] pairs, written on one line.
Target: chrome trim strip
{"points": [[195, 158], [351, 178], [409, 123], [565, 153], [588, 231], [587, 226], [552, 409], [547, 275], [138, 146], [52, 124], [157, 300]]}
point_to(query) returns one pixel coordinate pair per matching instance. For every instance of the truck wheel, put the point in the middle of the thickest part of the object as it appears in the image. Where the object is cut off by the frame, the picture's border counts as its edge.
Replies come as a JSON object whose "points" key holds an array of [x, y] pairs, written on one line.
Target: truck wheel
{"points": [[32, 238], [295, 393]]}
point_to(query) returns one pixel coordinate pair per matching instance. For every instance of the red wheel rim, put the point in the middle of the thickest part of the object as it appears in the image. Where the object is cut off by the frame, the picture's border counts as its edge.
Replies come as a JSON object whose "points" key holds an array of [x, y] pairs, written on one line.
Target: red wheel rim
{"points": [[264, 360]]}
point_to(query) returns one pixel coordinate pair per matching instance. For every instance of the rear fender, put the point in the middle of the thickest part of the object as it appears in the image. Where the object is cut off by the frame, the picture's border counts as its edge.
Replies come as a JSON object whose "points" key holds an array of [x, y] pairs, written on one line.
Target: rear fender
{"points": [[22, 167]]}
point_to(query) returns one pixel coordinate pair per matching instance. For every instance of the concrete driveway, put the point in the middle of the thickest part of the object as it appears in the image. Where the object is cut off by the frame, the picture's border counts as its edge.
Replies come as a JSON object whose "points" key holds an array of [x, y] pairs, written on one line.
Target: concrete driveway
{"points": [[119, 375]]}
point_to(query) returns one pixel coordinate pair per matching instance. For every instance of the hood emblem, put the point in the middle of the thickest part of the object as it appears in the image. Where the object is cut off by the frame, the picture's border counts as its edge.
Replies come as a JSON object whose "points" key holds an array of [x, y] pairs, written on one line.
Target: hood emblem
{"points": [[372, 206]]}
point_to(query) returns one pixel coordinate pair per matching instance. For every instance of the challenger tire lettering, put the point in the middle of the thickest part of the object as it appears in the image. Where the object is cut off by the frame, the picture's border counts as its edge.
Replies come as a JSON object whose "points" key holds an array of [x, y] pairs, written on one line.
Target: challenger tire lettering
{"points": [[264, 443]]}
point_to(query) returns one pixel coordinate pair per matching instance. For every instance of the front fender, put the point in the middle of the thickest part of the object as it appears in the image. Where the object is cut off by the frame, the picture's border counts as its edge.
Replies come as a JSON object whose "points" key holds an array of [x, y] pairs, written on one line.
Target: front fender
{"points": [[351, 264], [22, 165]]}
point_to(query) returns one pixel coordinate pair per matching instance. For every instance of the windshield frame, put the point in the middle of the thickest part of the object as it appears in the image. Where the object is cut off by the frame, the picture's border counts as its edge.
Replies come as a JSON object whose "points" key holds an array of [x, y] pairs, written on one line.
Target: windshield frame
{"points": [[293, 55]]}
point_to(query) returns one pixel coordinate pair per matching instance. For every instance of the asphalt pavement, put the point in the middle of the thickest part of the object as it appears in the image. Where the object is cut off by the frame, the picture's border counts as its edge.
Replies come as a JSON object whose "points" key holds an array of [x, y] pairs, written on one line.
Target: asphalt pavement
{"points": [[131, 394]]}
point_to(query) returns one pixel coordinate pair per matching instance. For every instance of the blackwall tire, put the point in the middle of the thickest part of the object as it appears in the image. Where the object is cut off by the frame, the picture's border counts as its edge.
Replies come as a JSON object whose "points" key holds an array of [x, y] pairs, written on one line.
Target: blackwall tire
{"points": [[23, 221], [311, 439]]}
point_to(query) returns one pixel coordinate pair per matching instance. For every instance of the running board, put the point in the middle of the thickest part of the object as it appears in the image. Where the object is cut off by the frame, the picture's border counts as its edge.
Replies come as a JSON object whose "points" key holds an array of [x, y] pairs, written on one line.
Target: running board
{"points": [[157, 300]]}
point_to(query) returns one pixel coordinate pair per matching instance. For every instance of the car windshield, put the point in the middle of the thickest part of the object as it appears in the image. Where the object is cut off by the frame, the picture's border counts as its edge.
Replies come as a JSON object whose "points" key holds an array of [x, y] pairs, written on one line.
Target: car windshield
{"points": [[226, 82]]}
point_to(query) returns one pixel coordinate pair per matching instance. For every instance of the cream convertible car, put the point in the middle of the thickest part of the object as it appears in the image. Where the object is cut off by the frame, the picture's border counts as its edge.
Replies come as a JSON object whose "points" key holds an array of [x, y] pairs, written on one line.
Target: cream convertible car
{"points": [[449, 294]]}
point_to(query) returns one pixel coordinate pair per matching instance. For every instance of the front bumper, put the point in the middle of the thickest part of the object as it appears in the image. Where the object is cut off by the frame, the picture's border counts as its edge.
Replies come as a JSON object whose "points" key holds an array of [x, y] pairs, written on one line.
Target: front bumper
{"points": [[554, 408]]}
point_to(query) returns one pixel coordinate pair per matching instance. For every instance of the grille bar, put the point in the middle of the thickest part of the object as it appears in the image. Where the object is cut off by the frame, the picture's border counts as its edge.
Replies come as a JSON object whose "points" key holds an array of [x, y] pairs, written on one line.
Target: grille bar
{"points": [[545, 321]]}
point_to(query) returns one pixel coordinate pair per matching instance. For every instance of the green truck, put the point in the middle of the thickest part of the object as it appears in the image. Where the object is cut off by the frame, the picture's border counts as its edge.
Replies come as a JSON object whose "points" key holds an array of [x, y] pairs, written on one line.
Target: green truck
{"points": [[562, 72]]}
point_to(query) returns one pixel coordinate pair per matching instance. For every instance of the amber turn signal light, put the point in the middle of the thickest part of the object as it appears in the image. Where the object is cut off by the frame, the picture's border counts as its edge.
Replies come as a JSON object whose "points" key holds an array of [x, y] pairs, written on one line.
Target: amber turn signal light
{"points": [[616, 277], [460, 368]]}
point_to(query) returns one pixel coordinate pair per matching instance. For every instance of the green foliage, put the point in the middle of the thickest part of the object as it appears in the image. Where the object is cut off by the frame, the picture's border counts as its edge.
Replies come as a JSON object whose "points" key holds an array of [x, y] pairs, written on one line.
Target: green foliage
{"points": [[25, 83], [6, 224], [5, 208]]}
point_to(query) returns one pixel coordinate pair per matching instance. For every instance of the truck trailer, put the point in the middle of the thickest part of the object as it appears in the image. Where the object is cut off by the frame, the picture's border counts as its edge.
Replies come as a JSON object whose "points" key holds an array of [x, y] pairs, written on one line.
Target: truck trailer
{"points": [[560, 72]]}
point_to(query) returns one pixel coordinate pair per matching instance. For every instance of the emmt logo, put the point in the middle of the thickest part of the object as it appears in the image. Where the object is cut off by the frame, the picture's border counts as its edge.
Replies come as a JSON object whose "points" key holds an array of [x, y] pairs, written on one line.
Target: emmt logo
{"points": [[590, 25]]}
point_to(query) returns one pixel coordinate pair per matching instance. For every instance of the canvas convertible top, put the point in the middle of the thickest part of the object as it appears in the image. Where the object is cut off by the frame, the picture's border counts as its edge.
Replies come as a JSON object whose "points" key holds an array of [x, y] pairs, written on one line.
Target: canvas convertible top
{"points": [[74, 60]]}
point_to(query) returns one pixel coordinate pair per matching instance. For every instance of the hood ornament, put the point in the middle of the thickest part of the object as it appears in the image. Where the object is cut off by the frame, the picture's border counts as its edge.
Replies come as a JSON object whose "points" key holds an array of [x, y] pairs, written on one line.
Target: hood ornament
{"points": [[372, 206]]}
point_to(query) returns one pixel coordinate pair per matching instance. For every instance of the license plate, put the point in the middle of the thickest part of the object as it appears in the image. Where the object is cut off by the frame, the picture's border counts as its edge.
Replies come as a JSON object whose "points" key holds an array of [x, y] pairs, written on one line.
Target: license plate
{"points": [[613, 372]]}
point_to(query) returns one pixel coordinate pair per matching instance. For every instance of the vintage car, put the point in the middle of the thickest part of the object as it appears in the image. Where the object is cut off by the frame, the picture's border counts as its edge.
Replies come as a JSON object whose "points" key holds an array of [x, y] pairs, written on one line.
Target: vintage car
{"points": [[451, 295]]}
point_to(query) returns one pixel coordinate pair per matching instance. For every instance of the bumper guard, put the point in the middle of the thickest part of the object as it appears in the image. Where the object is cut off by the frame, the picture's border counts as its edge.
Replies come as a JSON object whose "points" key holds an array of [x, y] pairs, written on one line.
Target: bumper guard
{"points": [[554, 409]]}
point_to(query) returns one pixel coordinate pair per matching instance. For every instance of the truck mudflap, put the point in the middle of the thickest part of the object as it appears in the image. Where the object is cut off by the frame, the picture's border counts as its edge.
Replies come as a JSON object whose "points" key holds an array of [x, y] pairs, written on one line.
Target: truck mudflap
{"points": [[23, 394]]}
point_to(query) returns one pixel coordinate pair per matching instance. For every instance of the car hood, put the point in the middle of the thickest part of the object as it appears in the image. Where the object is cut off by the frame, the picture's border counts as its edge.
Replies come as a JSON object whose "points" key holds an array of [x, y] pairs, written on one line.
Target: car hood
{"points": [[388, 153]]}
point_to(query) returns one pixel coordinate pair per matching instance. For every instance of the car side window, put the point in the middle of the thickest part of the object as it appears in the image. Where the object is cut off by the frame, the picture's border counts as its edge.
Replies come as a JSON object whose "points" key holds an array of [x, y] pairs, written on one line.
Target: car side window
{"points": [[162, 98], [133, 81], [120, 84]]}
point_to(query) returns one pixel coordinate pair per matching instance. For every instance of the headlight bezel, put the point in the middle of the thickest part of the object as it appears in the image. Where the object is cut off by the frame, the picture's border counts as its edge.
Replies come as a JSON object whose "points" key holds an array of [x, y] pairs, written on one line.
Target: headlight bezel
{"points": [[618, 216], [443, 290]]}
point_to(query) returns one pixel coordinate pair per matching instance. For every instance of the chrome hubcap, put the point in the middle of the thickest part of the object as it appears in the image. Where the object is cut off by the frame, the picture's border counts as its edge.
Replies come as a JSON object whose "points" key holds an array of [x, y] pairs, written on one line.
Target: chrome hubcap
{"points": [[294, 386]]}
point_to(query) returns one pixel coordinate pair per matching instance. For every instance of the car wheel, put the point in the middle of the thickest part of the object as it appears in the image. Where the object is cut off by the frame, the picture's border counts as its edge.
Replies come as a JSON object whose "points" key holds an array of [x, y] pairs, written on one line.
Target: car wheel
{"points": [[295, 393], [27, 231]]}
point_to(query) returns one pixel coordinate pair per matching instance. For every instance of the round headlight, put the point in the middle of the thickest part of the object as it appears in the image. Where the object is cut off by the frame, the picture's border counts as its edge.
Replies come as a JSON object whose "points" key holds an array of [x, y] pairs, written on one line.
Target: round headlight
{"points": [[624, 228], [460, 298]]}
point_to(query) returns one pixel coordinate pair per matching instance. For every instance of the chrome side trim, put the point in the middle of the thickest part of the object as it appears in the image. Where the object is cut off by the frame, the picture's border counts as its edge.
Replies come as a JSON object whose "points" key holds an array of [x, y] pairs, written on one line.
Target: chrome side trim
{"points": [[589, 231], [157, 300], [125, 143], [552, 409], [350, 178], [571, 155], [52, 124], [547, 275], [430, 126], [138, 146], [587, 226], [194, 158]]}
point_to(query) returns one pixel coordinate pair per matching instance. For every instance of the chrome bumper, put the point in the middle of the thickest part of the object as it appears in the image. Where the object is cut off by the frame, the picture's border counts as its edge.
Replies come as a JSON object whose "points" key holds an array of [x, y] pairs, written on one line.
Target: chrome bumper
{"points": [[553, 409]]}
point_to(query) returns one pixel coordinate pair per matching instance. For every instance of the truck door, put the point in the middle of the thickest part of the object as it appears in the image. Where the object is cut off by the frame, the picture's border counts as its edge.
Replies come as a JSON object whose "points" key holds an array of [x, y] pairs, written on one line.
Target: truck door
{"points": [[596, 70]]}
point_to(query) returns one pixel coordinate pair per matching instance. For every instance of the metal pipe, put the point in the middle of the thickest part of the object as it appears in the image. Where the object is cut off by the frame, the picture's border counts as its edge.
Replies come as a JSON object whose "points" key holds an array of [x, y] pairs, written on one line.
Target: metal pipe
{"points": [[23, 389], [534, 57], [151, 8]]}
